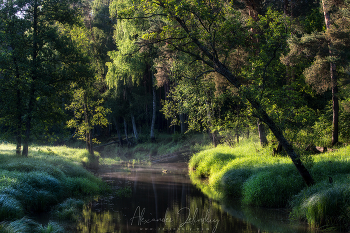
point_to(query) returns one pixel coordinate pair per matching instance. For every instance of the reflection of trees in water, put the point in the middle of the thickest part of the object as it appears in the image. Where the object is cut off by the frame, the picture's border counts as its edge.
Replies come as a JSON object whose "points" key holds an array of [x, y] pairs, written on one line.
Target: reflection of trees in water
{"points": [[98, 222]]}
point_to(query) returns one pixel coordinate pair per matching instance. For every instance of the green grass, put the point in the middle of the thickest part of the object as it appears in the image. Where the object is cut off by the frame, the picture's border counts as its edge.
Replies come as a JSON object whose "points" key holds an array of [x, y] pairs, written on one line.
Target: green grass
{"points": [[258, 178], [48, 177]]}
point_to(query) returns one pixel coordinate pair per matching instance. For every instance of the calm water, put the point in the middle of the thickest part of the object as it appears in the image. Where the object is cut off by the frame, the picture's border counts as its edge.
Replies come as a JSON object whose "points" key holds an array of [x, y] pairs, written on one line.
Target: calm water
{"points": [[162, 199]]}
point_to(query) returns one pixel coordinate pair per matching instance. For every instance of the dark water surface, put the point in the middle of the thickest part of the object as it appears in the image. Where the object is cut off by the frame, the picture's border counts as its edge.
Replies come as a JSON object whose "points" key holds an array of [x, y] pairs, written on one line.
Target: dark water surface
{"points": [[162, 199]]}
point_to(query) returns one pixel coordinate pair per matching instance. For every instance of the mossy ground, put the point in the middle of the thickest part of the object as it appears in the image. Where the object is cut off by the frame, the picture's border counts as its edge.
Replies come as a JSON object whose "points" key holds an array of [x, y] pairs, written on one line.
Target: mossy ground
{"points": [[258, 178], [43, 182]]}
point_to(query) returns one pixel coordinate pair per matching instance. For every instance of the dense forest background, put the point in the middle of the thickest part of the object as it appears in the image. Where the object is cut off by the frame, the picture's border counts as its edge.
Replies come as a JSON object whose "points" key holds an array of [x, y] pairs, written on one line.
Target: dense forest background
{"points": [[96, 68]]}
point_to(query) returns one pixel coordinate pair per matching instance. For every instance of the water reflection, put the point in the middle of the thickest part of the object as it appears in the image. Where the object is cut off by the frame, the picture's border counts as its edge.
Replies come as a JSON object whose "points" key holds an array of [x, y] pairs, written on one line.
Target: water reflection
{"points": [[164, 200]]}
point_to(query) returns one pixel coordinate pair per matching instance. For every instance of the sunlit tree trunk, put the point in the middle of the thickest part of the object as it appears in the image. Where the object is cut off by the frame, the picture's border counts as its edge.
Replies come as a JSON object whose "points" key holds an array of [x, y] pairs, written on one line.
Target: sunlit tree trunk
{"points": [[334, 81]]}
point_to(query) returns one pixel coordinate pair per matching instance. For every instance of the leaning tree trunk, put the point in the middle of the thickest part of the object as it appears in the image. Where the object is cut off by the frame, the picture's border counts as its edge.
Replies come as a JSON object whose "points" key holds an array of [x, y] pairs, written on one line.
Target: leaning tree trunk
{"points": [[153, 111], [220, 68], [334, 81], [262, 134]]}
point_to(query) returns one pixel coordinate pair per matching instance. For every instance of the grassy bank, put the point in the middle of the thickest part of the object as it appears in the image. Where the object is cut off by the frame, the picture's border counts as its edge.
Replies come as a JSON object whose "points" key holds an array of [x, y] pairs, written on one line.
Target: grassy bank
{"points": [[258, 178], [51, 179]]}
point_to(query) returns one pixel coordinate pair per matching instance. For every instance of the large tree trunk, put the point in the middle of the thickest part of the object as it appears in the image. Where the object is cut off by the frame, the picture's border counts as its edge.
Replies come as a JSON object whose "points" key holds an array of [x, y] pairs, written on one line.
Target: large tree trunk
{"points": [[153, 111], [334, 81], [262, 134]]}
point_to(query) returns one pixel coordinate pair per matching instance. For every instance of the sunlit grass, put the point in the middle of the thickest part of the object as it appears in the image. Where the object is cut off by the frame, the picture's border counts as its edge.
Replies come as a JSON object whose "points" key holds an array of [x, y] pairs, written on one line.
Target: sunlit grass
{"points": [[258, 178]]}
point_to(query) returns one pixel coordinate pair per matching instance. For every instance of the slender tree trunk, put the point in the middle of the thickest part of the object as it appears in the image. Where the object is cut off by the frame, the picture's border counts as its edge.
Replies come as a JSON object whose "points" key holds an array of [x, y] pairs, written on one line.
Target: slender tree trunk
{"points": [[153, 111], [126, 131], [19, 124], [334, 81], [88, 135], [18, 111], [182, 123], [34, 77], [262, 134], [118, 131], [136, 136]]}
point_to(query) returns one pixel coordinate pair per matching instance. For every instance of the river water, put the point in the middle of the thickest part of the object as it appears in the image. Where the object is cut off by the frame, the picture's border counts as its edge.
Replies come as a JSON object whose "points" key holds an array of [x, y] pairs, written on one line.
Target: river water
{"points": [[161, 198]]}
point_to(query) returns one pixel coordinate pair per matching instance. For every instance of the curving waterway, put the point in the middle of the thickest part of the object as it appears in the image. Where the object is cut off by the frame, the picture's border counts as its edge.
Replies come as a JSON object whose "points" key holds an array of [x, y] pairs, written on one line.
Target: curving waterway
{"points": [[161, 198]]}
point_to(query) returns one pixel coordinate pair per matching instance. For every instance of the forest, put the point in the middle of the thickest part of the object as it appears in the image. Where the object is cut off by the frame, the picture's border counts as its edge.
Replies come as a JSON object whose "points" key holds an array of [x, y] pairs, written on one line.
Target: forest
{"points": [[131, 70]]}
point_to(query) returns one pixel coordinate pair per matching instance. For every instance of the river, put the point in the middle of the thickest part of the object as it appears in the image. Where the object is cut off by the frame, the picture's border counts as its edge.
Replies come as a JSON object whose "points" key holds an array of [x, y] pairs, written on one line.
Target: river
{"points": [[161, 198]]}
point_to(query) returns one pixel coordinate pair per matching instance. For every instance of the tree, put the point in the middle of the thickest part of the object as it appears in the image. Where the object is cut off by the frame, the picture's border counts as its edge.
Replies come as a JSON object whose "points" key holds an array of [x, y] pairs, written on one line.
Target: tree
{"points": [[44, 64], [209, 32], [327, 53], [131, 62]]}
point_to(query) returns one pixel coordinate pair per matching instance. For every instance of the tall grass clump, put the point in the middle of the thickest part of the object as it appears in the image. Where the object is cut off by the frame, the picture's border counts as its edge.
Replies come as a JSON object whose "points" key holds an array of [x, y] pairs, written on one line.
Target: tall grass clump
{"points": [[70, 209], [324, 205], [27, 225], [233, 172], [272, 187]]}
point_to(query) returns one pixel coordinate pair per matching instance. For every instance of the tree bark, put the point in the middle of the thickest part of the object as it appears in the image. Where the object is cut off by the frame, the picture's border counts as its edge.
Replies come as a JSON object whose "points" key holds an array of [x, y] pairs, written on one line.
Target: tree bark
{"points": [[334, 81]]}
